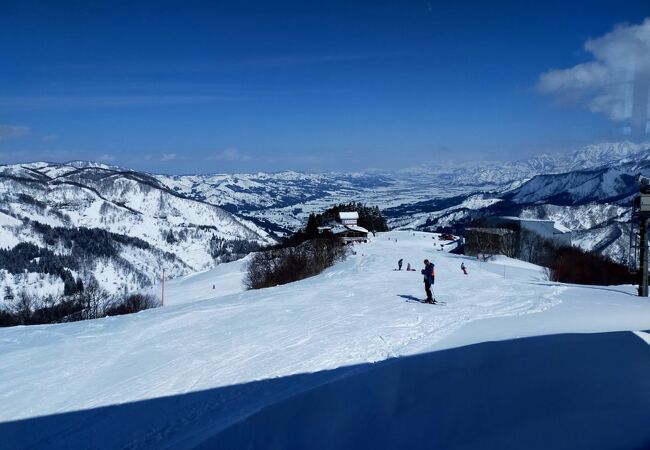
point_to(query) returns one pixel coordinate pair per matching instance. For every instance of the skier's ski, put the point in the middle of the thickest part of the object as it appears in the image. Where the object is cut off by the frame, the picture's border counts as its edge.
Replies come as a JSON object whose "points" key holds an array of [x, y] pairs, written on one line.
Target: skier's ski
{"points": [[414, 299], [425, 302]]}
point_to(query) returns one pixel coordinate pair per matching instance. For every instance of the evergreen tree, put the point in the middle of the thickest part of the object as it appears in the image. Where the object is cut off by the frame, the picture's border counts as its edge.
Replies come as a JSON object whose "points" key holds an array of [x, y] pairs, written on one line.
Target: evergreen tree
{"points": [[80, 285], [312, 226]]}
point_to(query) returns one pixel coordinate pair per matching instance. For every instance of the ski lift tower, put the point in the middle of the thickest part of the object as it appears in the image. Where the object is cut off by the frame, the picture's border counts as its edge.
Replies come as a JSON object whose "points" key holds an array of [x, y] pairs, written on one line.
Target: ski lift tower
{"points": [[641, 216]]}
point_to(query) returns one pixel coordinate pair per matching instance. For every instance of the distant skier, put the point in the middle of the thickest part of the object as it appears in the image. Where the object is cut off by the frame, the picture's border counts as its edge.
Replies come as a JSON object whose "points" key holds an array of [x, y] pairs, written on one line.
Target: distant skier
{"points": [[399, 265], [429, 273], [408, 267], [463, 268]]}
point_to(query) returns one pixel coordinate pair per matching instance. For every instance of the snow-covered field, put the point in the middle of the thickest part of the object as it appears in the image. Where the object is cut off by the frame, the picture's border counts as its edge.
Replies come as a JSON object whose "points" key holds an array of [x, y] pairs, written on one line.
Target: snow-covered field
{"points": [[359, 311]]}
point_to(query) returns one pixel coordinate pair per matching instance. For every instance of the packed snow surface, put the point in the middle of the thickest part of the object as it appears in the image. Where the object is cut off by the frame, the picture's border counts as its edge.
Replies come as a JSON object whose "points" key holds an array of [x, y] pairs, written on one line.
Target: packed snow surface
{"points": [[361, 310]]}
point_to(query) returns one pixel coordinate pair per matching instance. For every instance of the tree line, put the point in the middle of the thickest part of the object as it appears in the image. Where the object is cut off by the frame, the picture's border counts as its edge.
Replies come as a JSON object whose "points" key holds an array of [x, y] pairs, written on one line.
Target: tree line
{"points": [[281, 265], [370, 217], [87, 241], [82, 244], [231, 250], [565, 263], [92, 302]]}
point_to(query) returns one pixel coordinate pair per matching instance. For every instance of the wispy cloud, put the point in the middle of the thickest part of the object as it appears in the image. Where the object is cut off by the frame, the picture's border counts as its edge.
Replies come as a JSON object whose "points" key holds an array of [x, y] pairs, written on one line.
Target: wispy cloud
{"points": [[50, 137], [13, 131], [106, 158], [211, 65], [606, 84], [104, 101], [168, 157], [230, 154]]}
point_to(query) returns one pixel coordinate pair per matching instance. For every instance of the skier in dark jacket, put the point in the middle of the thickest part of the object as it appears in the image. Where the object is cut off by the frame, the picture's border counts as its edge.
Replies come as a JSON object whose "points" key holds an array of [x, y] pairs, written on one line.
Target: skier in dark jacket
{"points": [[399, 265], [429, 278]]}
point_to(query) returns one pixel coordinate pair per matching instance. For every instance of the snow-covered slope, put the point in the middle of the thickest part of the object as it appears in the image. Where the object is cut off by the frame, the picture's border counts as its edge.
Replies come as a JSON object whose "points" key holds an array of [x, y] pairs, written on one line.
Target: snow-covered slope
{"points": [[604, 185], [178, 229], [358, 311]]}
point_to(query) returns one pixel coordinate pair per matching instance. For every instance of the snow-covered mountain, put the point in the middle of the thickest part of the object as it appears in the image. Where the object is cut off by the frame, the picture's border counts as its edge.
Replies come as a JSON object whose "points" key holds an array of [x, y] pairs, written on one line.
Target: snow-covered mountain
{"points": [[282, 201], [588, 191], [605, 184], [486, 175], [177, 233], [188, 220]]}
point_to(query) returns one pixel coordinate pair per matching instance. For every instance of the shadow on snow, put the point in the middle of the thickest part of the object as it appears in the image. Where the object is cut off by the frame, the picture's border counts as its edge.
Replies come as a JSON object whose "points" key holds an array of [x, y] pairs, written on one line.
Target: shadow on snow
{"points": [[589, 391], [410, 297]]}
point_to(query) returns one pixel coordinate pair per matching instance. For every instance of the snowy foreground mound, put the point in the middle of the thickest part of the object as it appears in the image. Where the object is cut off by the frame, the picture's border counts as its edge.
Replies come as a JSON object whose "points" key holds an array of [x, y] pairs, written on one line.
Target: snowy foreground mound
{"points": [[215, 365]]}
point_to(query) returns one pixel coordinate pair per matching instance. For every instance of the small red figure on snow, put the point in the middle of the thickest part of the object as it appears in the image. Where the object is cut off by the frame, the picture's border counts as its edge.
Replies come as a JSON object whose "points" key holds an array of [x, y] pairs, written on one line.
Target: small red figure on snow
{"points": [[463, 268]]}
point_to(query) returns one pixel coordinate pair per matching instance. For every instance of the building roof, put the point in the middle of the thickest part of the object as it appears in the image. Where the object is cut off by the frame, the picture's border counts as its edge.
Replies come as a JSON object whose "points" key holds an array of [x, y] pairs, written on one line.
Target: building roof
{"points": [[558, 228], [561, 228], [339, 229], [344, 228], [497, 231], [356, 228], [524, 219], [343, 215]]}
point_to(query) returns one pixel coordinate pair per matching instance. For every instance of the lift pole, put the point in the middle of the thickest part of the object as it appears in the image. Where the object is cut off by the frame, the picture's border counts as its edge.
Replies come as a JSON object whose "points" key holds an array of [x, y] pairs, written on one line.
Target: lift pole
{"points": [[162, 294], [643, 257], [641, 213]]}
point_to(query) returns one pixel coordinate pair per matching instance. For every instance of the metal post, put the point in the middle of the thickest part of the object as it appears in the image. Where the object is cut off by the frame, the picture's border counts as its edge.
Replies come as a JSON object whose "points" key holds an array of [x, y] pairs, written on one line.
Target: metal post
{"points": [[643, 257], [162, 295]]}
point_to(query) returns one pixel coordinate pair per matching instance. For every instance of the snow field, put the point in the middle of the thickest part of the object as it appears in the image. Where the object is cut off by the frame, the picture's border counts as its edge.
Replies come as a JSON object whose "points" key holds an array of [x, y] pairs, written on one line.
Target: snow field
{"points": [[352, 313]]}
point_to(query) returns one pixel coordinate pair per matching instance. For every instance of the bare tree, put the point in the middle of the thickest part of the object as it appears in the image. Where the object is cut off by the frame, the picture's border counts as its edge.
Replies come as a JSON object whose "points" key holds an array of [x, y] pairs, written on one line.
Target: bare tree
{"points": [[23, 307], [509, 245], [487, 242], [94, 299]]}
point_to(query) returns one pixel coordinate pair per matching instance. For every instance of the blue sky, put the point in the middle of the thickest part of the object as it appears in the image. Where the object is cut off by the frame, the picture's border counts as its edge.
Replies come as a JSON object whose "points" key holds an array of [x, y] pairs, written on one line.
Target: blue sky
{"points": [[195, 87]]}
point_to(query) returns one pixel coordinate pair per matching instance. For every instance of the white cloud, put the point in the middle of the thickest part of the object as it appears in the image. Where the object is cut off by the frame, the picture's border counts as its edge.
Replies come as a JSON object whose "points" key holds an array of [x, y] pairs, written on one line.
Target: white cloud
{"points": [[230, 154], [13, 131], [106, 158], [605, 84], [50, 137], [168, 156]]}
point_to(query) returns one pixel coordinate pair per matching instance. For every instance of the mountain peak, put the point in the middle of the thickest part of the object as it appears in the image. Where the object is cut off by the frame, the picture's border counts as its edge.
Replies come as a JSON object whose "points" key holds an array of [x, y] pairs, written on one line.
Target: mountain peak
{"points": [[606, 152]]}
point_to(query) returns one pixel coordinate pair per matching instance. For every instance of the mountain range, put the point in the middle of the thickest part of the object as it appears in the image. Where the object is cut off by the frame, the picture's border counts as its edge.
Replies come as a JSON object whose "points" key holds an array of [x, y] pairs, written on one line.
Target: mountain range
{"points": [[189, 223]]}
